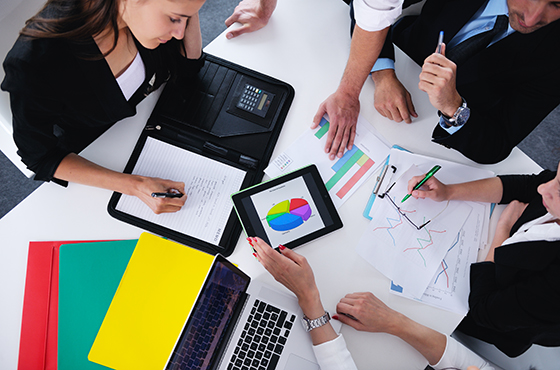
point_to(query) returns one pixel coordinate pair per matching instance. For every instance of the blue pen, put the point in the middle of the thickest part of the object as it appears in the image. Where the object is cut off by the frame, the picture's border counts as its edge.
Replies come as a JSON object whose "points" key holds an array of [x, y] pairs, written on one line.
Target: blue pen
{"points": [[439, 42]]}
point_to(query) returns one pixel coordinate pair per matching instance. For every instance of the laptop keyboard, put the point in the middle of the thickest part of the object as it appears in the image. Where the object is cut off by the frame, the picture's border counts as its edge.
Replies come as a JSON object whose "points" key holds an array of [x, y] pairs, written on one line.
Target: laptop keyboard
{"points": [[205, 324], [263, 338]]}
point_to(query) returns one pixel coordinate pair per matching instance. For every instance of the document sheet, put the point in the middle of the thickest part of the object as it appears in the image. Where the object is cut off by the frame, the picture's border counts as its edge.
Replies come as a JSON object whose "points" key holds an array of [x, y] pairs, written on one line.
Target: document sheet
{"points": [[449, 288], [397, 248], [208, 186], [342, 176]]}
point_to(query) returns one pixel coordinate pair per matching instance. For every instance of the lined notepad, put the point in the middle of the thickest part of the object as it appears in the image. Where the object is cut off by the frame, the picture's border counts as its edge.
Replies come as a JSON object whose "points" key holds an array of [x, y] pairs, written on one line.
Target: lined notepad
{"points": [[208, 186]]}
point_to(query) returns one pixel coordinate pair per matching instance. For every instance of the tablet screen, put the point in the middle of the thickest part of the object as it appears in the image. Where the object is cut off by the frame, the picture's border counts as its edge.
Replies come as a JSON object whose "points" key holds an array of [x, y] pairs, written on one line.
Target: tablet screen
{"points": [[289, 210]]}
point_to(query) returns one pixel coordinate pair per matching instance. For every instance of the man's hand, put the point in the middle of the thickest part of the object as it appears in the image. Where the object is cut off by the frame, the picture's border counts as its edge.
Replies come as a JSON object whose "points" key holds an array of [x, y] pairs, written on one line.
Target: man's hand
{"points": [[252, 14], [390, 98], [343, 111], [438, 79]]}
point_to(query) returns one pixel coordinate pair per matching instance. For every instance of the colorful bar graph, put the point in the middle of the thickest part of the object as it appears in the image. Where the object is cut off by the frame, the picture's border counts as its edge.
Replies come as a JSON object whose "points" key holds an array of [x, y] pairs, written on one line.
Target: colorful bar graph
{"points": [[344, 169], [366, 163], [324, 128], [343, 165], [345, 158]]}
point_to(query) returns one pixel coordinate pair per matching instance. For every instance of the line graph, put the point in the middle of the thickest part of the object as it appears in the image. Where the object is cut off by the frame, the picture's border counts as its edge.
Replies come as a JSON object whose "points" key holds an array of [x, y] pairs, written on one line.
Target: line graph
{"points": [[429, 242], [444, 264], [398, 221]]}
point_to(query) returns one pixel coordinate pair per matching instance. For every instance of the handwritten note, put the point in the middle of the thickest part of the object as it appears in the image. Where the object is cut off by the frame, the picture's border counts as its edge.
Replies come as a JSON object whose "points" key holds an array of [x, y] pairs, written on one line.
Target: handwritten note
{"points": [[208, 186]]}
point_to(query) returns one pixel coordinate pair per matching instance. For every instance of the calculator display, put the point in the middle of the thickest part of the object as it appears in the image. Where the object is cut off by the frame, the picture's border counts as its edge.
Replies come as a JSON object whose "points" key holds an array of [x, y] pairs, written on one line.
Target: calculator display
{"points": [[255, 100]]}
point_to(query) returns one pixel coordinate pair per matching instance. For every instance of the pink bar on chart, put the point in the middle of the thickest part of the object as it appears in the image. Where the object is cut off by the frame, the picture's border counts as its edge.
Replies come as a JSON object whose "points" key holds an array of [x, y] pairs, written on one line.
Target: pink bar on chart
{"points": [[354, 179]]}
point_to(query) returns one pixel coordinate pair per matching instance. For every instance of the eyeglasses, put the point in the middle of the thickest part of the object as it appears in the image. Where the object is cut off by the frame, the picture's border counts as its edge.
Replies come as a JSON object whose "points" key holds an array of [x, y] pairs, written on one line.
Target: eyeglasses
{"points": [[403, 212]]}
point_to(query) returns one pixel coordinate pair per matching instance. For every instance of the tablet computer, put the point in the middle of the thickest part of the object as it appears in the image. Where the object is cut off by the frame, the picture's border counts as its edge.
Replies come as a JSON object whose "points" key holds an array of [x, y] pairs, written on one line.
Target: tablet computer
{"points": [[291, 210]]}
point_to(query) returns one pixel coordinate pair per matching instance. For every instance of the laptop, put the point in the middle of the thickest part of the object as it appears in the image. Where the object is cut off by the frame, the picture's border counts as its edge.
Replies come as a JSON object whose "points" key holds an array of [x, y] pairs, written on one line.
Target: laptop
{"points": [[240, 324]]}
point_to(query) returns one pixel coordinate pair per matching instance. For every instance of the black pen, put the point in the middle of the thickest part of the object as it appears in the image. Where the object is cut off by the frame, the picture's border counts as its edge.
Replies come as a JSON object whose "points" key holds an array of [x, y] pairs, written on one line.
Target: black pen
{"points": [[175, 194]]}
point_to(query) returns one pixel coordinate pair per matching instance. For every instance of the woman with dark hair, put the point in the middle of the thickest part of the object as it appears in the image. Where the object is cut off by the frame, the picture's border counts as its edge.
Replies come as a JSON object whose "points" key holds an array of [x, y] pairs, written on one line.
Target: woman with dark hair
{"points": [[79, 66]]}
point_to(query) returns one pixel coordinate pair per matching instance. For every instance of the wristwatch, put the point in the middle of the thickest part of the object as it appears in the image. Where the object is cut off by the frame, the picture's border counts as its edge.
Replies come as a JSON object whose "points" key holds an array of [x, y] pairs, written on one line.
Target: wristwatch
{"points": [[309, 324], [459, 118]]}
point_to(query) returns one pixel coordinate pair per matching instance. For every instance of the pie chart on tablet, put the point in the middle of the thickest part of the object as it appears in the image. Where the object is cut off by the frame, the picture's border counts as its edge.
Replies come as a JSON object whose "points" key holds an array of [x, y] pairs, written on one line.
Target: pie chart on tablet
{"points": [[288, 214]]}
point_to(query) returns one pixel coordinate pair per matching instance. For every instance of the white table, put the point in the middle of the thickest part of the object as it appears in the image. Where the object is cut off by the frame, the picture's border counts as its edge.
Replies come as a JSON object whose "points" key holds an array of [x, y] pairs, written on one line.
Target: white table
{"points": [[305, 44]]}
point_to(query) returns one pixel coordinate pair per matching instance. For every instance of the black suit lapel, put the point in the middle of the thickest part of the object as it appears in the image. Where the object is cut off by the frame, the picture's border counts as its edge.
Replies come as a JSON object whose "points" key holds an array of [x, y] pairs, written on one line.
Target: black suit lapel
{"points": [[98, 75]]}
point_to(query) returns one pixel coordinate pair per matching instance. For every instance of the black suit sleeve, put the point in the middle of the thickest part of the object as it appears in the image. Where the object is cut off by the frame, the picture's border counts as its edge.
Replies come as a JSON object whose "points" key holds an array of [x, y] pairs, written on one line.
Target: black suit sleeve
{"points": [[504, 304], [493, 130], [523, 187]]}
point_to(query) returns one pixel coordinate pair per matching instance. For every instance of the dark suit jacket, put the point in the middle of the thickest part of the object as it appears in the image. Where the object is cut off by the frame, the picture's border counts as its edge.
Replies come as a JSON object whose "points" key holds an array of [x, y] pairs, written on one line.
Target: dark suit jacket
{"points": [[63, 95], [515, 301], [510, 86]]}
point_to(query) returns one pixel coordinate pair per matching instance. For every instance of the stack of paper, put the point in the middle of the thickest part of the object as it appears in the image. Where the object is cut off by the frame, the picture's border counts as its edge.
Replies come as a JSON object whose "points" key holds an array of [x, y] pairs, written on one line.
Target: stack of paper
{"points": [[432, 263]]}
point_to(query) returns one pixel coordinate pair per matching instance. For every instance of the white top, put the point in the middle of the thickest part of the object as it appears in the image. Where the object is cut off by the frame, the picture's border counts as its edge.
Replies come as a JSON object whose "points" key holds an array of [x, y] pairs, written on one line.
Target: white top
{"points": [[539, 229], [131, 79], [375, 15], [457, 356], [334, 355]]}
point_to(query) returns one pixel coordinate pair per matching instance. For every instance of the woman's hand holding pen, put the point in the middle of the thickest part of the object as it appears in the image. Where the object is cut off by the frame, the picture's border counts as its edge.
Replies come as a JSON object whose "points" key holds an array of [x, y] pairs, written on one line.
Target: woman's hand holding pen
{"points": [[145, 186], [432, 189]]}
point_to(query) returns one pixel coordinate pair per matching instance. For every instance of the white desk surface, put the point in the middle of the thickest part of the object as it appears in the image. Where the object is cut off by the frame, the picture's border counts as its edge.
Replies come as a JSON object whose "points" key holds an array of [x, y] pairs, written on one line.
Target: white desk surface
{"points": [[306, 44]]}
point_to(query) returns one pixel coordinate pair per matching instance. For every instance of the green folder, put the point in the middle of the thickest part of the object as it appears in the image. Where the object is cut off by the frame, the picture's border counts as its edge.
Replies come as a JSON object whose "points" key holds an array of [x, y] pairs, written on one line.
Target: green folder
{"points": [[90, 274]]}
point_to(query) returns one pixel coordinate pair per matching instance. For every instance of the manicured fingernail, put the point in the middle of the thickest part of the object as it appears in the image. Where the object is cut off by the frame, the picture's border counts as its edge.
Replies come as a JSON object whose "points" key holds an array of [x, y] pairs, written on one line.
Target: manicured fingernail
{"points": [[255, 240], [255, 255], [250, 242], [281, 247], [335, 317]]}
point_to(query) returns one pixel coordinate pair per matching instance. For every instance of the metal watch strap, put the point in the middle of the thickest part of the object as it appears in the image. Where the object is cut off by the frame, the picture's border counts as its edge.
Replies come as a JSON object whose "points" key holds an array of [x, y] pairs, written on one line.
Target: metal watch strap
{"points": [[309, 324], [448, 122]]}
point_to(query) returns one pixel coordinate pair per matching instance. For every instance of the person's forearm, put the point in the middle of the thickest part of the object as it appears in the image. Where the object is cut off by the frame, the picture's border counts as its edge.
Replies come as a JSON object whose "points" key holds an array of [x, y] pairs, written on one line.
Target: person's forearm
{"points": [[193, 38], [74, 168], [364, 50], [430, 343], [486, 190], [268, 7]]}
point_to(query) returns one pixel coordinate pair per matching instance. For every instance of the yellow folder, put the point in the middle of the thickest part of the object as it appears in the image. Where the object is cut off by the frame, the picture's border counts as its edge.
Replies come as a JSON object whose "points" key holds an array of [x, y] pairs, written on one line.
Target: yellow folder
{"points": [[149, 309]]}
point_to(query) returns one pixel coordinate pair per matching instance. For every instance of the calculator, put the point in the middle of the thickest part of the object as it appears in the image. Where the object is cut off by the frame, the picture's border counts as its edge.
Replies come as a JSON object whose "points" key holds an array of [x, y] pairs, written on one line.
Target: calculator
{"points": [[255, 100]]}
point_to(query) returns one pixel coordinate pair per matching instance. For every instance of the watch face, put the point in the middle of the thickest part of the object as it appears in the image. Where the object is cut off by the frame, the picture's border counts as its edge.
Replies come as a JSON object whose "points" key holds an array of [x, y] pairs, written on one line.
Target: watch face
{"points": [[462, 116]]}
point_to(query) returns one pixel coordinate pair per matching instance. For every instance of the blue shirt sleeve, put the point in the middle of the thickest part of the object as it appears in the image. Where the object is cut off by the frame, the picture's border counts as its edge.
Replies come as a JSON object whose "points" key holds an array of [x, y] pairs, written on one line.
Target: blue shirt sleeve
{"points": [[383, 63]]}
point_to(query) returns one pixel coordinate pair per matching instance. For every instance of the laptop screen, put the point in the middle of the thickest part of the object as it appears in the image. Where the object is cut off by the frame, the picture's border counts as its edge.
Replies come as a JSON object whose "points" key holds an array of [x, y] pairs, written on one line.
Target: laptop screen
{"points": [[208, 322]]}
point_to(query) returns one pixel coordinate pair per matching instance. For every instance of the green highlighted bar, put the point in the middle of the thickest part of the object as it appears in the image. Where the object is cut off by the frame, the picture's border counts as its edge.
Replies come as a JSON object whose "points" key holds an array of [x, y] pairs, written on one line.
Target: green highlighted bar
{"points": [[322, 131], [342, 171]]}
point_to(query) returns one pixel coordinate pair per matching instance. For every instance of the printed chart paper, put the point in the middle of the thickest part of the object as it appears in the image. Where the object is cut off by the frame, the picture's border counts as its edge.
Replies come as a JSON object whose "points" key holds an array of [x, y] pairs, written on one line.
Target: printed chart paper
{"points": [[408, 256], [342, 176], [450, 286], [208, 186]]}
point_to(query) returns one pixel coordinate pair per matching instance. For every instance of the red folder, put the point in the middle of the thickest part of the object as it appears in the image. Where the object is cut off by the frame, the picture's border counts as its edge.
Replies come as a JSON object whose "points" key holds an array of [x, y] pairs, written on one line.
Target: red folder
{"points": [[39, 324]]}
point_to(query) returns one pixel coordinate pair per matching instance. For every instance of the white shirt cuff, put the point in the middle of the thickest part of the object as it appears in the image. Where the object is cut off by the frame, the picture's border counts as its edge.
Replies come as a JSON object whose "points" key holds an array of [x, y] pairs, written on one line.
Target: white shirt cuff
{"points": [[458, 356], [334, 355], [375, 15]]}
